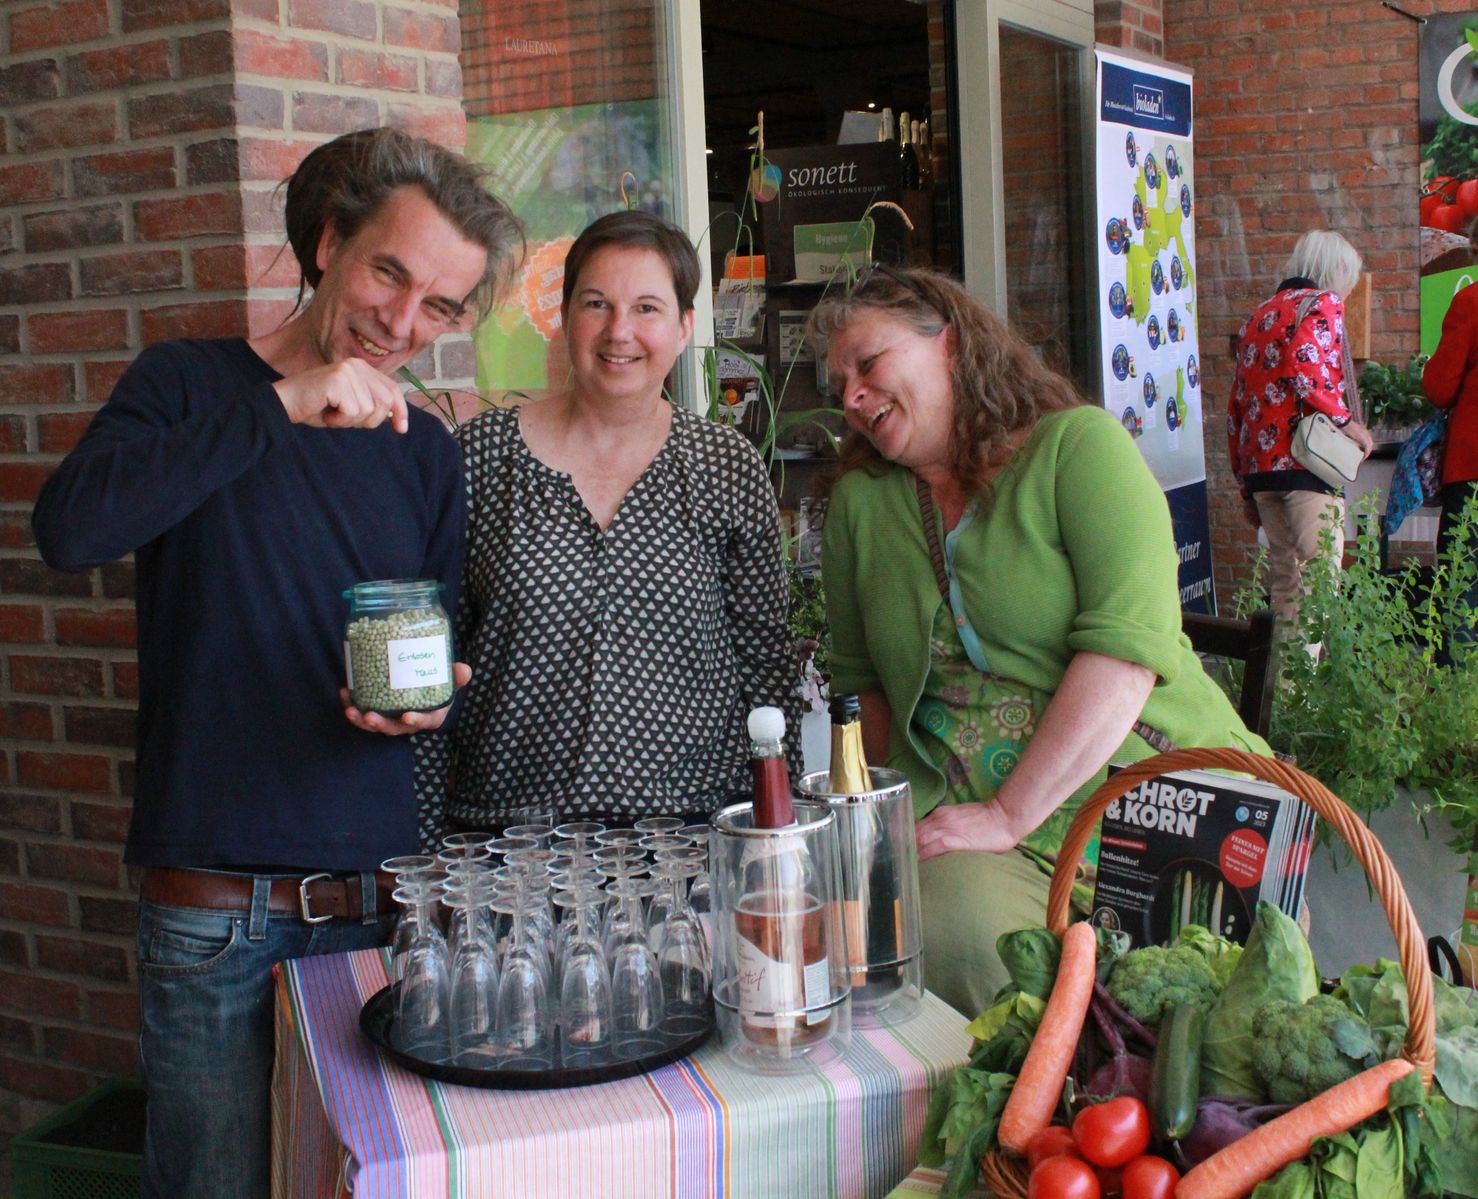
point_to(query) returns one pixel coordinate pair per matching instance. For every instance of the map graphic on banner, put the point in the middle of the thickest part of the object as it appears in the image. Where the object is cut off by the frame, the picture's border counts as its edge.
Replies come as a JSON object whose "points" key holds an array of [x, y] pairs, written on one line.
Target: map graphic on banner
{"points": [[1146, 255]]}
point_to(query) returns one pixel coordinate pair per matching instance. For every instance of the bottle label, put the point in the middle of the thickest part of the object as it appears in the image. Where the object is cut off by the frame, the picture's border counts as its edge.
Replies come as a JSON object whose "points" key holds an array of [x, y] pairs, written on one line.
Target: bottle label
{"points": [[766, 985], [818, 990], [418, 662]]}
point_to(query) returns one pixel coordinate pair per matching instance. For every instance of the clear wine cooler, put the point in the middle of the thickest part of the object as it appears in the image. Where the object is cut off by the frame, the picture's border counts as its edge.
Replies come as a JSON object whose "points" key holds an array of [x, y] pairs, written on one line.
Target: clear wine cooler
{"points": [[782, 975]]}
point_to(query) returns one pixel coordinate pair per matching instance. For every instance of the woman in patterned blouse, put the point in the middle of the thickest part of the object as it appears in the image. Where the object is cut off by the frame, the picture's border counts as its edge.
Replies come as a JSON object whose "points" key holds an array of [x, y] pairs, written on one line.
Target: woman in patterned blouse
{"points": [[624, 600], [1292, 359]]}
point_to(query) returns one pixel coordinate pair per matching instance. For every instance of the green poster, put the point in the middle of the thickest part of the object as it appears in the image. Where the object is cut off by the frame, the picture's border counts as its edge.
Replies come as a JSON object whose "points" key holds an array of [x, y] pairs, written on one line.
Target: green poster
{"points": [[559, 169], [1436, 294], [1447, 125]]}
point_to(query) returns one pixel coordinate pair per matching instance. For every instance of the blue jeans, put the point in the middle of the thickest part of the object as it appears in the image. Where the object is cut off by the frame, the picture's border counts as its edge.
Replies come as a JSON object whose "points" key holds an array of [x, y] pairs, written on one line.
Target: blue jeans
{"points": [[205, 1038], [1455, 497]]}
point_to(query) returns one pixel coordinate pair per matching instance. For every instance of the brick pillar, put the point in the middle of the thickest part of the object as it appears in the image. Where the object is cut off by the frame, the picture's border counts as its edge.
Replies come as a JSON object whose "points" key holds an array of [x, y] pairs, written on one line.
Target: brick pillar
{"points": [[140, 145], [1131, 25]]}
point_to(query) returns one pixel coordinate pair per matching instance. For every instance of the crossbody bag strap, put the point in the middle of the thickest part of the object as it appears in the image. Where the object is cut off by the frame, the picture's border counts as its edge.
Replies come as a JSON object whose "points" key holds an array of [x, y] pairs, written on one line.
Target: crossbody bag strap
{"points": [[1155, 739], [1301, 313], [931, 535]]}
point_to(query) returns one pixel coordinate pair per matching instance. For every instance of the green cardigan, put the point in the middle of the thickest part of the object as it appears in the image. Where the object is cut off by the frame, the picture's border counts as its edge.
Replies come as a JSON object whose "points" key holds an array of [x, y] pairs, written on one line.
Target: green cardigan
{"points": [[1072, 552]]}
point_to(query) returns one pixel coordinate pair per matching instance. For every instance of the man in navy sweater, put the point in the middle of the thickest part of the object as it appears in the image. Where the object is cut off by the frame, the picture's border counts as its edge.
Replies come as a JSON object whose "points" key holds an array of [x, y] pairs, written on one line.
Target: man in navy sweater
{"points": [[255, 481]]}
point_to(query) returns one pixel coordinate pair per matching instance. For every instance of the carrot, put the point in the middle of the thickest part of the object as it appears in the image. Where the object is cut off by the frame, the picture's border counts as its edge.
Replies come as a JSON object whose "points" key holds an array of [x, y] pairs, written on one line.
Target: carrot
{"points": [[1038, 1087], [1233, 1171]]}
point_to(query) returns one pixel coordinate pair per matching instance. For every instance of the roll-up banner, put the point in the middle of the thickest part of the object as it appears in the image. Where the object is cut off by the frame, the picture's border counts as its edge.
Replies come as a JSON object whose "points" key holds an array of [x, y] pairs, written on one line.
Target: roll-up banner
{"points": [[1146, 244], [1447, 119]]}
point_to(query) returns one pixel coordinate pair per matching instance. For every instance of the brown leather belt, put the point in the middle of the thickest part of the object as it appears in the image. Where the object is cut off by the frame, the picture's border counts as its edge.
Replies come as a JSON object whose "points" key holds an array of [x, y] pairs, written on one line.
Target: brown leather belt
{"points": [[314, 897]]}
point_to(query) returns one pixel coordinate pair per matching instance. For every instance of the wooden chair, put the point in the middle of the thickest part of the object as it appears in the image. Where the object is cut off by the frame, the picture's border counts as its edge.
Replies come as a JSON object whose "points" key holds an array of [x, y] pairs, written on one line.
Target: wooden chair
{"points": [[1251, 642]]}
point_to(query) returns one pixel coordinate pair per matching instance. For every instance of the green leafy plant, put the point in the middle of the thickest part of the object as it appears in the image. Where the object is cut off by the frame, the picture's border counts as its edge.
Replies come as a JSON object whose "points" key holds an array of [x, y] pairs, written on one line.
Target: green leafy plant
{"points": [[1377, 706], [1393, 394]]}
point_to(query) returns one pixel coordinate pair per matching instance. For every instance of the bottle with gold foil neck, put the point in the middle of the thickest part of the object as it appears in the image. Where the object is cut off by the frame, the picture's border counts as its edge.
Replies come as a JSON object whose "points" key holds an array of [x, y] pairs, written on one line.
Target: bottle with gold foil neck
{"points": [[848, 759]]}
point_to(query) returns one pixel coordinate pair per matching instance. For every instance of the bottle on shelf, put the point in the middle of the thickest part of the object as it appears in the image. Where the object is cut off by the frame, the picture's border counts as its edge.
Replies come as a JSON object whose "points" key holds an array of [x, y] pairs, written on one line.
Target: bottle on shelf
{"points": [[908, 164], [923, 152]]}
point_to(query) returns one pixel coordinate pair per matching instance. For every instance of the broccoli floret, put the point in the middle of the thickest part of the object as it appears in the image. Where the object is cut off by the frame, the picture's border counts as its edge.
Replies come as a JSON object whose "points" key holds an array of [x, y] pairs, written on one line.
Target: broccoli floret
{"points": [[1302, 1049], [1148, 982]]}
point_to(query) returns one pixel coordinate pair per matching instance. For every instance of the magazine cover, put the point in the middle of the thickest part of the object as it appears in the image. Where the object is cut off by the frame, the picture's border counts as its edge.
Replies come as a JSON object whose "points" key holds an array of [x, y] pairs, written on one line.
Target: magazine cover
{"points": [[1199, 847]]}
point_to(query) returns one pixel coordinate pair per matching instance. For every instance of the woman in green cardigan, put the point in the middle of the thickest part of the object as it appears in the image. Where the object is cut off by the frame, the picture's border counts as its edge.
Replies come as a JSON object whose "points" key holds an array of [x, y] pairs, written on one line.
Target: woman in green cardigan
{"points": [[1039, 639]]}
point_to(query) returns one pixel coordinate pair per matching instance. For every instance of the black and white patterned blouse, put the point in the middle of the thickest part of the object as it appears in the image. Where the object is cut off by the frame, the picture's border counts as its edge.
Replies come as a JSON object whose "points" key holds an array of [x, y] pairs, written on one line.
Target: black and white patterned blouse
{"points": [[613, 670]]}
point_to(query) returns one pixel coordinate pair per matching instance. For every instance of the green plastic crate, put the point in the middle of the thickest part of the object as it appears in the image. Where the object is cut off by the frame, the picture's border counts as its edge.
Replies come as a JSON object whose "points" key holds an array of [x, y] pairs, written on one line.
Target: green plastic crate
{"points": [[63, 1157]]}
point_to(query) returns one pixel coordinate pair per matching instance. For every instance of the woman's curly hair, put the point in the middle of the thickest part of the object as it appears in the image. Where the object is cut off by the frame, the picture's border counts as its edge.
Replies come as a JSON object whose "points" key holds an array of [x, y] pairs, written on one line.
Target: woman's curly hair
{"points": [[1001, 386]]}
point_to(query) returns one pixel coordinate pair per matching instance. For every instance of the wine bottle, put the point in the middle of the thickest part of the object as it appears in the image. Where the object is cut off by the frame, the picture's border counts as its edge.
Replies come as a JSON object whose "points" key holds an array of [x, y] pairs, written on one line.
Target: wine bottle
{"points": [[871, 909], [924, 152], [780, 936], [772, 805], [908, 165], [848, 759]]}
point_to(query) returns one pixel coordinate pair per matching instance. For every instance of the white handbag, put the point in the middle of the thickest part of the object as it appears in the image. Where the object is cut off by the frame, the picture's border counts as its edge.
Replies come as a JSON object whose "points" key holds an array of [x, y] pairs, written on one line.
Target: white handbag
{"points": [[1322, 449]]}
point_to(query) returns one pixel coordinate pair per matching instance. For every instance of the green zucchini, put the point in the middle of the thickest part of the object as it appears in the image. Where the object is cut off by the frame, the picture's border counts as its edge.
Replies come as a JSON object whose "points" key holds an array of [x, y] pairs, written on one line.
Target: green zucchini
{"points": [[1175, 1083]]}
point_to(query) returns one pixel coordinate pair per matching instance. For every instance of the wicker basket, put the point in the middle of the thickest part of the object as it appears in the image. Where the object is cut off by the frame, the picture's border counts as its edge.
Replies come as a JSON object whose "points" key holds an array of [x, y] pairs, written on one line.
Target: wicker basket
{"points": [[1005, 1174]]}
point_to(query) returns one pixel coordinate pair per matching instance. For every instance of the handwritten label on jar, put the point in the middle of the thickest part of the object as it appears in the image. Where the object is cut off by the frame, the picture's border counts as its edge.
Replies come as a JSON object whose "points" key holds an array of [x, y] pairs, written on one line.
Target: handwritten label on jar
{"points": [[418, 662]]}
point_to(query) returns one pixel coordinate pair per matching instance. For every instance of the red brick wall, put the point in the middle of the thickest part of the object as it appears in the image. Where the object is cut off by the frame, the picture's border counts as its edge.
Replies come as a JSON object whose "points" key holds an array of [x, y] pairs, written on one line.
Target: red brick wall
{"points": [[140, 143], [1305, 116], [1131, 25], [532, 54]]}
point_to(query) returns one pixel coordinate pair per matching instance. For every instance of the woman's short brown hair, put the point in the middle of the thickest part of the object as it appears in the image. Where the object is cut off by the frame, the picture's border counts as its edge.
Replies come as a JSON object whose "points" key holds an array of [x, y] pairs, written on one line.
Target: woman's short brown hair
{"points": [[643, 231], [344, 183], [1001, 386]]}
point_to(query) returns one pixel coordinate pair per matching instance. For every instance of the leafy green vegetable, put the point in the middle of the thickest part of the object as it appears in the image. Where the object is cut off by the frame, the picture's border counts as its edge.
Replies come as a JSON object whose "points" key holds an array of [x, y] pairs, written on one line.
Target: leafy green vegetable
{"points": [[963, 1117], [1276, 964], [1378, 1170], [1336, 1159], [1388, 1157], [1030, 956], [1025, 1009], [1220, 954], [1293, 1181], [1378, 993]]}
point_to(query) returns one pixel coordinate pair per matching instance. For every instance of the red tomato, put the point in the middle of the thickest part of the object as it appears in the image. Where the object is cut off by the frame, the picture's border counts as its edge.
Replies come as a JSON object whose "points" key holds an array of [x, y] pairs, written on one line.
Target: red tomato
{"points": [[1150, 1177], [1467, 197], [1429, 205], [1449, 217], [1062, 1178], [1113, 1132], [1050, 1142], [1444, 186]]}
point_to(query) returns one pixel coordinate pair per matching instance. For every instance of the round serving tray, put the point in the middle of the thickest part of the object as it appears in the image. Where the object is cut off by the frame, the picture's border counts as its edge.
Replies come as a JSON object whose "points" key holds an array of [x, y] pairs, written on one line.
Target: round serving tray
{"points": [[375, 1020]]}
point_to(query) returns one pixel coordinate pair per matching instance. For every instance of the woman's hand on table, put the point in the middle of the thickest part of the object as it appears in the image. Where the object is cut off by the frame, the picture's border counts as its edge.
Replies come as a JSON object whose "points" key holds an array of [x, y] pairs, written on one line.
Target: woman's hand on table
{"points": [[956, 828], [409, 722]]}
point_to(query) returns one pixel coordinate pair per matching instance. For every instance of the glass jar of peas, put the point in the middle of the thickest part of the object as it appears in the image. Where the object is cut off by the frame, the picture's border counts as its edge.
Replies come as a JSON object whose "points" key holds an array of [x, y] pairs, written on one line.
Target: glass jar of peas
{"points": [[398, 647]]}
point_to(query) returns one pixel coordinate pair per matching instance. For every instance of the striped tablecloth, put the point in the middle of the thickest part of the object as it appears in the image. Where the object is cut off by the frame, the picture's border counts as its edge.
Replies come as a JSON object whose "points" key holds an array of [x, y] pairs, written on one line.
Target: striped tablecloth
{"points": [[924, 1182], [345, 1120]]}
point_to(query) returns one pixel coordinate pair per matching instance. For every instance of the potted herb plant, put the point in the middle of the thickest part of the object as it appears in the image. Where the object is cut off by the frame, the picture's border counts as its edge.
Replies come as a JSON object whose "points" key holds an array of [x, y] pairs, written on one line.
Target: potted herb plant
{"points": [[1378, 699]]}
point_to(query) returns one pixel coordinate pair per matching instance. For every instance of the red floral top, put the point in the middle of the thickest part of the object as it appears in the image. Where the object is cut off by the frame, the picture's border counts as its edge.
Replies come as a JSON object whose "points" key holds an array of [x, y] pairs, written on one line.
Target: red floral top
{"points": [[1282, 372]]}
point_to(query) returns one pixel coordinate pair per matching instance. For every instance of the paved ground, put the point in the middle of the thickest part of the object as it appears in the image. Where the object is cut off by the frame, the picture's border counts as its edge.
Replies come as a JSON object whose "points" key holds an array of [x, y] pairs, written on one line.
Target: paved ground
{"points": [[1348, 924]]}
